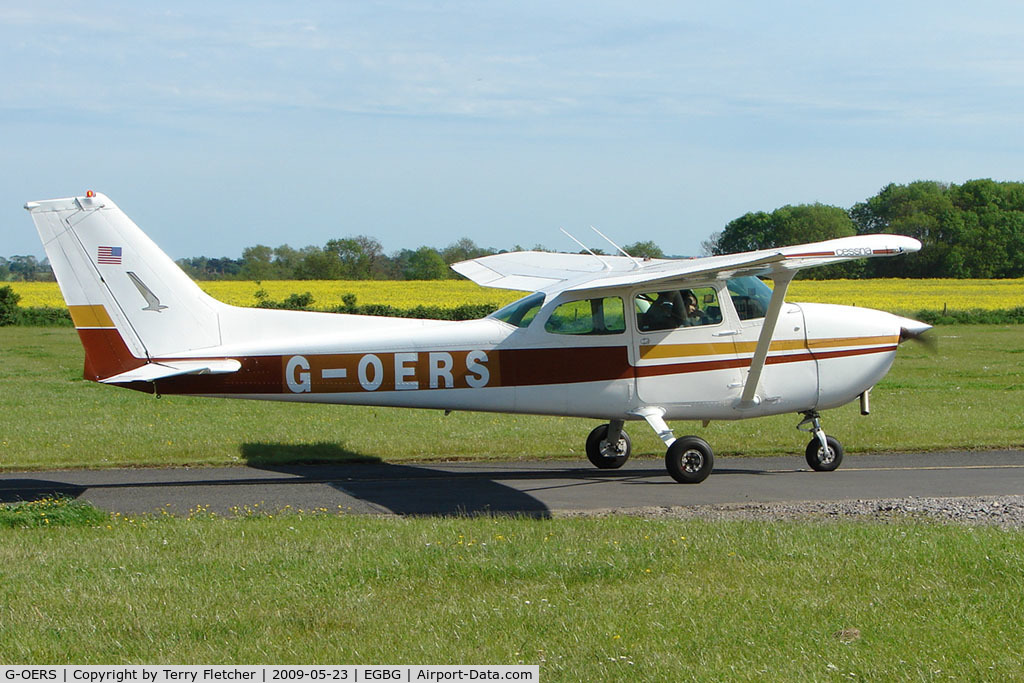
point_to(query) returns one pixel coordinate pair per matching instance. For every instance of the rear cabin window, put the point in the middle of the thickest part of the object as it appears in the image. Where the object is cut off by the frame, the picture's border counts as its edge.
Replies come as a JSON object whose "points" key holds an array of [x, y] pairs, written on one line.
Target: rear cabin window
{"points": [[674, 308], [588, 316], [750, 297]]}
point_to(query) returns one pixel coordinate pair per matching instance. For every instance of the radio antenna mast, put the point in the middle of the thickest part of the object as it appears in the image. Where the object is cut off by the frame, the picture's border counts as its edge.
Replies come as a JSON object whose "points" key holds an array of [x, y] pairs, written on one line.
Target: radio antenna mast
{"points": [[587, 249], [636, 264]]}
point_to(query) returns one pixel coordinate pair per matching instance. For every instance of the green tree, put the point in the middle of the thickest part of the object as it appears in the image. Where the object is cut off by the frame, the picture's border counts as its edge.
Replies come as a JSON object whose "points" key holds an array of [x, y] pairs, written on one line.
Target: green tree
{"points": [[923, 210], [464, 249], [790, 225], [357, 256], [194, 266], [425, 264], [970, 230], [993, 238], [644, 249], [8, 305], [258, 263], [317, 264], [749, 232], [28, 268], [286, 261]]}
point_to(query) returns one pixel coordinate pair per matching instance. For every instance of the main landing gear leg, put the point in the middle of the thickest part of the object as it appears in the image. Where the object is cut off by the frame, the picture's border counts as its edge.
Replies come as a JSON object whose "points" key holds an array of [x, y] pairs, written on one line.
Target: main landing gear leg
{"points": [[824, 453], [689, 460]]}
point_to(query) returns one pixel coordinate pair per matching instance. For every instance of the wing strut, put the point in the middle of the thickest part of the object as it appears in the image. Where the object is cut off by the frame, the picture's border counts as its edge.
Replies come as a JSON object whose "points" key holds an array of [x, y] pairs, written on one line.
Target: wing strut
{"points": [[764, 341]]}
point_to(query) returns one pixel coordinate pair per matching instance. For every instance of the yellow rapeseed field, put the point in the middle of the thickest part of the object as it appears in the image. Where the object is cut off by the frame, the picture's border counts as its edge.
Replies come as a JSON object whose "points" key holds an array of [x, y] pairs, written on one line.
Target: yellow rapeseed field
{"points": [[400, 294], [326, 293], [907, 296], [898, 295]]}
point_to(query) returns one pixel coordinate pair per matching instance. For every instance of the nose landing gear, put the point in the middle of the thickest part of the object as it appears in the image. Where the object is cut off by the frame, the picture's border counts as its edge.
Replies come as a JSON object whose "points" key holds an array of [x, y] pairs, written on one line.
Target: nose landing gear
{"points": [[824, 453]]}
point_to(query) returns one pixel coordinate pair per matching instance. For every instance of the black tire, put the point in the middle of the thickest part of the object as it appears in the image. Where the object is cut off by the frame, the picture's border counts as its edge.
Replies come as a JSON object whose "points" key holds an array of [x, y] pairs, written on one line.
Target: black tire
{"points": [[821, 461], [689, 460], [604, 455]]}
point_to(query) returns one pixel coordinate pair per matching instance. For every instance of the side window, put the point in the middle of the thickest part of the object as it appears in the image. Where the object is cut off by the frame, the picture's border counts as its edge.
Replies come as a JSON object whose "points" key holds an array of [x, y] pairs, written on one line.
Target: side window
{"points": [[520, 313], [750, 297], [674, 308], [588, 316]]}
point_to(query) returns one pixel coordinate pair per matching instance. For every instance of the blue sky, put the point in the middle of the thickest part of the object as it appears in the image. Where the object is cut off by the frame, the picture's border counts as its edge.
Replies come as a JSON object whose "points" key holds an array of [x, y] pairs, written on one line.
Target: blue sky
{"points": [[219, 125]]}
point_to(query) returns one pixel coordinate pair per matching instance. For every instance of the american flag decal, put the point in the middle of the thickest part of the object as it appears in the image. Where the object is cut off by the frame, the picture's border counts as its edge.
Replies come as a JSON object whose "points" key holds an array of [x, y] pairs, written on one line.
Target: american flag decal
{"points": [[109, 255]]}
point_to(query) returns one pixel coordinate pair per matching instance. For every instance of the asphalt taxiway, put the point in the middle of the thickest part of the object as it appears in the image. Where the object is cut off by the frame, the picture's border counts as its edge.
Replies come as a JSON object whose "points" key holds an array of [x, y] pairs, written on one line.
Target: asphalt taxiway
{"points": [[527, 488]]}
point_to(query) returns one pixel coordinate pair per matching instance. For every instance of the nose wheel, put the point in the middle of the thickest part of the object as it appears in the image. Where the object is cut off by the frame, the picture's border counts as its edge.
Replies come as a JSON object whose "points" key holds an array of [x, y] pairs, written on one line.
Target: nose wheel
{"points": [[824, 459]]}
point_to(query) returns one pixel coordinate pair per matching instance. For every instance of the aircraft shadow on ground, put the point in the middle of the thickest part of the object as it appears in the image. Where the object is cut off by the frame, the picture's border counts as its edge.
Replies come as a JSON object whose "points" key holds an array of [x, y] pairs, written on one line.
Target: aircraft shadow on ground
{"points": [[400, 489], [429, 490], [397, 489], [29, 490], [369, 483], [321, 453]]}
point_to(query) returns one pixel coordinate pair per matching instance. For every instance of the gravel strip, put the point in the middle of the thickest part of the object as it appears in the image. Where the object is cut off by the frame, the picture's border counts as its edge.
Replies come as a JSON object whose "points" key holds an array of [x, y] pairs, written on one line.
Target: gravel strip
{"points": [[1002, 511]]}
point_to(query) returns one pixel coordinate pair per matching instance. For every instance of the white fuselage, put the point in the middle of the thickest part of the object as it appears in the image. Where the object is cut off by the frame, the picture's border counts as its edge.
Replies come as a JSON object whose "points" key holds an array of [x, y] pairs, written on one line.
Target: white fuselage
{"points": [[821, 356]]}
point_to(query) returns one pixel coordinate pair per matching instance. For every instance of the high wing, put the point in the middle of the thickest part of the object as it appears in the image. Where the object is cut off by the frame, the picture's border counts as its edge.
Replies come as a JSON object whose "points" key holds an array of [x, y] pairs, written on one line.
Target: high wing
{"points": [[540, 271], [552, 273], [534, 271]]}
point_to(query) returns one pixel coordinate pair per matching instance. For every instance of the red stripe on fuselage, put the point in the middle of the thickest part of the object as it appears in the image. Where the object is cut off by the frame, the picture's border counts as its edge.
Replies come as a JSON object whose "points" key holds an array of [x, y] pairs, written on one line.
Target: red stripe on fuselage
{"points": [[510, 368], [532, 367]]}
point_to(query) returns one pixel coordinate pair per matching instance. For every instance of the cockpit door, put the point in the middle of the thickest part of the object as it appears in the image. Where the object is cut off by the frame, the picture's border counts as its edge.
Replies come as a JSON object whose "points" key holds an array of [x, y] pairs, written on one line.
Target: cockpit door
{"points": [[683, 353]]}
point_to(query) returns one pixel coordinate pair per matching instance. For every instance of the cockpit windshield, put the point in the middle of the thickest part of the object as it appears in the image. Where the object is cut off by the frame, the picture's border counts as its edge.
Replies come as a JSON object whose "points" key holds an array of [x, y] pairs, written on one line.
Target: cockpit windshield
{"points": [[522, 312], [750, 297]]}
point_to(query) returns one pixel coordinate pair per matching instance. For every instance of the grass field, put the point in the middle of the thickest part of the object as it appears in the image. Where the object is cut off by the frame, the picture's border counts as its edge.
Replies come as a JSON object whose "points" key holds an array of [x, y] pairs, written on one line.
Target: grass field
{"points": [[968, 395], [606, 599], [619, 598], [898, 296]]}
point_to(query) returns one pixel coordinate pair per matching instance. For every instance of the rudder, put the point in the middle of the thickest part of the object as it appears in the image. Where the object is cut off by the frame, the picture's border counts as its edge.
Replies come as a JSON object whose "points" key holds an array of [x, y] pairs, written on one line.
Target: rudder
{"points": [[129, 301]]}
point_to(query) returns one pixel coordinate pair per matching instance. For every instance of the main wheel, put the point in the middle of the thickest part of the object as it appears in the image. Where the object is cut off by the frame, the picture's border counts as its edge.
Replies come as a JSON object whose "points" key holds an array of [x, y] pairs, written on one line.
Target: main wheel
{"points": [[689, 460], [604, 454], [822, 460]]}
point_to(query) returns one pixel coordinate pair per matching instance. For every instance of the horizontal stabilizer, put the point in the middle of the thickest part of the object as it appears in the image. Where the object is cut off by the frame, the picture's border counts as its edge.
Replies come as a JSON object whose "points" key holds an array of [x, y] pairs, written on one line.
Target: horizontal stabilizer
{"points": [[150, 372]]}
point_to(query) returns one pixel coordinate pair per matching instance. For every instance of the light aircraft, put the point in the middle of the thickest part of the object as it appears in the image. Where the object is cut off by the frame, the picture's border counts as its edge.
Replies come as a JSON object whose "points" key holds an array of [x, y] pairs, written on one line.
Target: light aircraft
{"points": [[613, 338]]}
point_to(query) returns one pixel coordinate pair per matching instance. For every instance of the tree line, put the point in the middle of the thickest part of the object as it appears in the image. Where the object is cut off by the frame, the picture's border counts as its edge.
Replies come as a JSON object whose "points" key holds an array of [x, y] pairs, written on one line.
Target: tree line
{"points": [[353, 258], [973, 230], [24, 268]]}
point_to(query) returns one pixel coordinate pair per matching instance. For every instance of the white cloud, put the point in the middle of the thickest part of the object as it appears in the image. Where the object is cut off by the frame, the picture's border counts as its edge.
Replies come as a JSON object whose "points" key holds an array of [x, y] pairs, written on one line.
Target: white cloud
{"points": [[661, 102]]}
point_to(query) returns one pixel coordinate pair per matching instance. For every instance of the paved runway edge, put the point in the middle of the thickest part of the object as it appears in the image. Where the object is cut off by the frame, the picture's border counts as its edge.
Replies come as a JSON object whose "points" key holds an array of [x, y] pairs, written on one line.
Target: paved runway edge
{"points": [[542, 489]]}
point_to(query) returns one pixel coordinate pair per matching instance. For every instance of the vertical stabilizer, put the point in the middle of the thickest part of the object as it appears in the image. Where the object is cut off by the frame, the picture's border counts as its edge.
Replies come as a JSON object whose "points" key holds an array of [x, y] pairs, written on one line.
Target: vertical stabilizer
{"points": [[129, 301]]}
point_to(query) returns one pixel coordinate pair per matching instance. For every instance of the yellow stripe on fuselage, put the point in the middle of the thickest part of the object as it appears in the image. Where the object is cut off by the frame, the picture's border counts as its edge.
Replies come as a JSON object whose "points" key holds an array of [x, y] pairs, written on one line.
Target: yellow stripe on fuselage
{"points": [[658, 351], [661, 351], [90, 317], [881, 340]]}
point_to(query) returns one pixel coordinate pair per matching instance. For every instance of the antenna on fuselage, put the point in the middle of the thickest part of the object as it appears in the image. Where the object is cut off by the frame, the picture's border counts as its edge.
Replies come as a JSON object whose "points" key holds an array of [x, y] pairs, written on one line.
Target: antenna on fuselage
{"points": [[587, 249], [636, 264]]}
